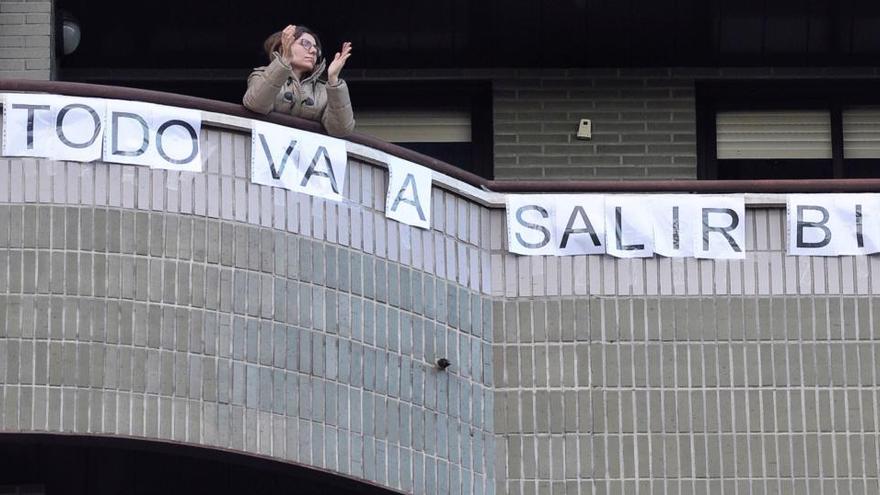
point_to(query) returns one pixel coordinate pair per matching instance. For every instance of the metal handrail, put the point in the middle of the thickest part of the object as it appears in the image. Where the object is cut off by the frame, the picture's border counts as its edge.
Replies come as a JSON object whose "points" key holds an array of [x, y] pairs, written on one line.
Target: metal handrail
{"points": [[501, 186]]}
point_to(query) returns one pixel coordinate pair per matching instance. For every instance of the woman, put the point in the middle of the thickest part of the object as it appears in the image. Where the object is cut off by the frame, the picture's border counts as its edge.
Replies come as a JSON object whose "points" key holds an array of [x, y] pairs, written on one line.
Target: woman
{"points": [[290, 82]]}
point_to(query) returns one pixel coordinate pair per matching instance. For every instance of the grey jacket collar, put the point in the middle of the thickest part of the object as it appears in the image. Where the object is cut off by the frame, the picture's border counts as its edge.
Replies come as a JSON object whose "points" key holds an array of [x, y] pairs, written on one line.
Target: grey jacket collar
{"points": [[315, 74]]}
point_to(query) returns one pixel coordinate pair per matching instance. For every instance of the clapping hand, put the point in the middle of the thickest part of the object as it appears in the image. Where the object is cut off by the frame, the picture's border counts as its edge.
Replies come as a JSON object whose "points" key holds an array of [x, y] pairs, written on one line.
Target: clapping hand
{"points": [[338, 63], [287, 39]]}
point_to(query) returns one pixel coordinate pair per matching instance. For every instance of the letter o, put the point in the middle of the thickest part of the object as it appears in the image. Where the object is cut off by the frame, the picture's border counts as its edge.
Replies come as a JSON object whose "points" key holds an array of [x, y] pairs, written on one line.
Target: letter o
{"points": [[59, 125], [192, 134]]}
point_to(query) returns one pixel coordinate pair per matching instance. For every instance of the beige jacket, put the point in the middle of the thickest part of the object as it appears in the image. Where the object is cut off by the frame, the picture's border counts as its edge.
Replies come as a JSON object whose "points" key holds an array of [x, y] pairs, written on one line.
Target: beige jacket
{"points": [[274, 88]]}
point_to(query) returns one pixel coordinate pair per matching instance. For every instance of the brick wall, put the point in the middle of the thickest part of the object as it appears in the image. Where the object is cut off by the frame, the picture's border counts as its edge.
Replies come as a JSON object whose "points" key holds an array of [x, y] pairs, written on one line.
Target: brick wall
{"points": [[643, 124], [643, 120], [223, 334], [232, 311], [26, 39], [694, 376], [204, 309]]}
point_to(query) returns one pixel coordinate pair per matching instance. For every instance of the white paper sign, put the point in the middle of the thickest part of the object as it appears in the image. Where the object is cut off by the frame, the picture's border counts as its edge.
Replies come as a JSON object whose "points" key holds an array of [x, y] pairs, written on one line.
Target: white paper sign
{"points": [[298, 160], [833, 224], [157, 136], [676, 223], [323, 162], [530, 219], [409, 193], [626, 226], [629, 231], [579, 224], [722, 232], [49, 126], [275, 154]]}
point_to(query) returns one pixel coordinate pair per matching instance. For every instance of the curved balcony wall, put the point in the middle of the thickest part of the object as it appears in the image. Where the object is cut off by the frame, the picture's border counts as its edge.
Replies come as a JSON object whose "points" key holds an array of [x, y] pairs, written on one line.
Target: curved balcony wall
{"points": [[207, 310], [204, 309]]}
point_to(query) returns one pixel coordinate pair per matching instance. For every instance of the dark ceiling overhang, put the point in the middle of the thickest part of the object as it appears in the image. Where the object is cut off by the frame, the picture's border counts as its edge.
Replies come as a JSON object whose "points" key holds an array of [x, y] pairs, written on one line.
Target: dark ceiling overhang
{"points": [[227, 34]]}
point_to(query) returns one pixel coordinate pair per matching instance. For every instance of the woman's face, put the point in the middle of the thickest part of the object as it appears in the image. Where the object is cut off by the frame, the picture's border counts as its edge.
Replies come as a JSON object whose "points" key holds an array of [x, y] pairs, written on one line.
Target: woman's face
{"points": [[305, 53]]}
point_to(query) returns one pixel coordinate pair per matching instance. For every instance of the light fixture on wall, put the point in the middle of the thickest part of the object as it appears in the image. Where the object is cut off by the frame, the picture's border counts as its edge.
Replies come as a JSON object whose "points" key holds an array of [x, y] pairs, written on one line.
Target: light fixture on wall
{"points": [[585, 130], [69, 31]]}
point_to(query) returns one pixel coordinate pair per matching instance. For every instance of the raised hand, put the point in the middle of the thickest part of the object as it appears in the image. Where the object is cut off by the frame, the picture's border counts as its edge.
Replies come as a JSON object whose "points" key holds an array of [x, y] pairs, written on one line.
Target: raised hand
{"points": [[338, 63], [287, 39]]}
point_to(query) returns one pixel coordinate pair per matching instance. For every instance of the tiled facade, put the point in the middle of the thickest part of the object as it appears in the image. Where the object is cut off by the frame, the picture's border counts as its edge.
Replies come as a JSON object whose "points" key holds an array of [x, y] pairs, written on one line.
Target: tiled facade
{"points": [[688, 376], [643, 119], [26, 38], [203, 309], [642, 122], [688, 394]]}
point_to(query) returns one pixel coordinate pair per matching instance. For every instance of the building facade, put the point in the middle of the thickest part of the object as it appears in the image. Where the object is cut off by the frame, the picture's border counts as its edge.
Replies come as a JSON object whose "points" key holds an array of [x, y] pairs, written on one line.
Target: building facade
{"points": [[201, 311]]}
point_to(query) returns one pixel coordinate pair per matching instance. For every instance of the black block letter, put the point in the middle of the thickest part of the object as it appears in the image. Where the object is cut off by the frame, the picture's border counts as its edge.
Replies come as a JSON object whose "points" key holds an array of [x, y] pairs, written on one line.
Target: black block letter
{"points": [[114, 141], [59, 125], [578, 211], [528, 225], [618, 233], [192, 135], [801, 225], [734, 221], [313, 169], [30, 123], [276, 173], [410, 181]]}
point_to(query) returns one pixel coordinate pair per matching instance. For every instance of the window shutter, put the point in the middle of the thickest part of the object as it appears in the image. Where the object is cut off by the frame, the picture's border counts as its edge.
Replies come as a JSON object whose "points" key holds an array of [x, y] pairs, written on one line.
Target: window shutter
{"points": [[416, 126], [861, 132], [773, 134]]}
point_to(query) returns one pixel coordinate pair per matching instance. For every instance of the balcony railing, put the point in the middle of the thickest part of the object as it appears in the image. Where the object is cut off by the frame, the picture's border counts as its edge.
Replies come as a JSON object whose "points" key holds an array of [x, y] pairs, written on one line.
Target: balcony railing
{"points": [[450, 170]]}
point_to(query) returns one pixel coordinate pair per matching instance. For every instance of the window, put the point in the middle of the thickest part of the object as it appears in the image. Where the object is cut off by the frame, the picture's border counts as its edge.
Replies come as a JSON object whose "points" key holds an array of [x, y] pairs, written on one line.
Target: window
{"points": [[440, 133], [788, 129], [449, 120]]}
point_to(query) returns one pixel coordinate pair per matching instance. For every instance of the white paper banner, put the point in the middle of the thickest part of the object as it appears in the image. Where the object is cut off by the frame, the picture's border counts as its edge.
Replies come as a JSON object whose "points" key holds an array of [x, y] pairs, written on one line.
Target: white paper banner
{"points": [[626, 226], [50, 126], [409, 193], [676, 223], [723, 231], [629, 231], [275, 154], [298, 160], [85, 129], [530, 220], [579, 224], [833, 224], [323, 163], [157, 136]]}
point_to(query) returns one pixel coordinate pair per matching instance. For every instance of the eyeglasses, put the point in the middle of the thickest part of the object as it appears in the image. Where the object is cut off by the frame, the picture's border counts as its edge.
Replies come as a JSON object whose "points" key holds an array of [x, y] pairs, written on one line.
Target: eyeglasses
{"points": [[308, 45]]}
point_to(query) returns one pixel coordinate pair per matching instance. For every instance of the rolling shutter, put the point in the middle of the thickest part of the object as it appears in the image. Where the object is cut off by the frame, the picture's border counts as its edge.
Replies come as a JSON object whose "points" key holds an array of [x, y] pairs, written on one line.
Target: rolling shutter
{"points": [[773, 134], [416, 126], [861, 132]]}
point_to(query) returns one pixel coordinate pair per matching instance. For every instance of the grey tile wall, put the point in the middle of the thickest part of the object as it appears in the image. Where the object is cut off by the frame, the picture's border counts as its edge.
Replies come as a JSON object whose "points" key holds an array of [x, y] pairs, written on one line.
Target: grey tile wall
{"points": [[687, 376], [778, 394], [766, 271], [287, 362], [643, 118], [201, 308], [26, 38]]}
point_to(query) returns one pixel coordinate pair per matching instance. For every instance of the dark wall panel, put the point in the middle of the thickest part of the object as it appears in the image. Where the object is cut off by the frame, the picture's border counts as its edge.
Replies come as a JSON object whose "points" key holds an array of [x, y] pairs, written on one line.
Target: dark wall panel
{"points": [[498, 33], [100, 466]]}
